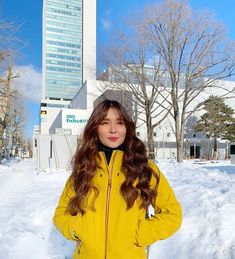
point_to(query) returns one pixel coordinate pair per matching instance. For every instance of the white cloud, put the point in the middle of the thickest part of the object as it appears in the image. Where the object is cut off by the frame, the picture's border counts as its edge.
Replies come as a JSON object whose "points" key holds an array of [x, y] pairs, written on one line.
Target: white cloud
{"points": [[106, 21], [106, 24], [29, 83]]}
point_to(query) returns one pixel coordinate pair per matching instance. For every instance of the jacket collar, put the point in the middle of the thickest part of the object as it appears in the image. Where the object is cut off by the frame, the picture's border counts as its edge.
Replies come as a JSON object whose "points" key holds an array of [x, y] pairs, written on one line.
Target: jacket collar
{"points": [[115, 160], [108, 151]]}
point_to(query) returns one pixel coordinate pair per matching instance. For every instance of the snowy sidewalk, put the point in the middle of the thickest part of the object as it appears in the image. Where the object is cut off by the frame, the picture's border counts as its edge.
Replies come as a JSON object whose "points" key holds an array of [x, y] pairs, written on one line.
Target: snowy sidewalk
{"points": [[206, 191]]}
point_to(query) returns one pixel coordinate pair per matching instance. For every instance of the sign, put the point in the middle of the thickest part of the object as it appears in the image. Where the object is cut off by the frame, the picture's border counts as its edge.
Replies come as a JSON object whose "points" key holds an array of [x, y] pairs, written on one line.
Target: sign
{"points": [[70, 118]]}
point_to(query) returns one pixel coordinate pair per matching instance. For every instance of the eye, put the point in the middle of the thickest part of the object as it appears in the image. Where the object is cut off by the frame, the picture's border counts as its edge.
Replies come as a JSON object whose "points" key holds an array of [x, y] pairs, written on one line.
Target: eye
{"points": [[104, 123], [120, 122]]}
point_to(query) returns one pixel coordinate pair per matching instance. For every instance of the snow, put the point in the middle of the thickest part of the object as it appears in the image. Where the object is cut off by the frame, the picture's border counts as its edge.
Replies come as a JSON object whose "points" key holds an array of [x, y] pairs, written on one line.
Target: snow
{"points": [[206, 191], [207, 194]]}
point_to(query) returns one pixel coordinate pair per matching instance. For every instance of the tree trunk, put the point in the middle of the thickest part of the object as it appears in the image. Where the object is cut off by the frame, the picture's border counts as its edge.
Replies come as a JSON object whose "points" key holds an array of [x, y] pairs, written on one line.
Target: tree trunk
{"points": [[179, 135], [150, 143], [214, 155], [180, 150]]}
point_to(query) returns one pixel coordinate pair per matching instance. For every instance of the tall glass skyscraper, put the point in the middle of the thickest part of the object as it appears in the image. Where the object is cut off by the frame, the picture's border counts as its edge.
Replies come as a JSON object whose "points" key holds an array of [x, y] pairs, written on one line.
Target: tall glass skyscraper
{"points": [[63, 47]]}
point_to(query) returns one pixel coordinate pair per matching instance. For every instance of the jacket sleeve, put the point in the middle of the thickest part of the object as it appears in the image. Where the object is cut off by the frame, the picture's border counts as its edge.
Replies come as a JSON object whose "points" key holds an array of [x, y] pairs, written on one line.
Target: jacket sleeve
{"points": [[68, 225], [167, 218]]}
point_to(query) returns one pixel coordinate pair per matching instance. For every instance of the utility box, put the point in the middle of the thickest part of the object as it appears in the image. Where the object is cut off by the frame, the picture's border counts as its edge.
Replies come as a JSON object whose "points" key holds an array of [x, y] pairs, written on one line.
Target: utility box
{"points": [[232, 153]]}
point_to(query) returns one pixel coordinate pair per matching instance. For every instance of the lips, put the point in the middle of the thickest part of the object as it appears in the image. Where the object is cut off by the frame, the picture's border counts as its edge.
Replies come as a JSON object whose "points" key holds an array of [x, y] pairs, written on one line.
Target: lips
{"points": [[113, 139]]}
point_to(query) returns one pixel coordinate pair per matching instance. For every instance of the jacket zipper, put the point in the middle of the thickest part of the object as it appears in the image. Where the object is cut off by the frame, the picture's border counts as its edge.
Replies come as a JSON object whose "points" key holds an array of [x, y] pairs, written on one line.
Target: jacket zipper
{"points": [[107, 202]]}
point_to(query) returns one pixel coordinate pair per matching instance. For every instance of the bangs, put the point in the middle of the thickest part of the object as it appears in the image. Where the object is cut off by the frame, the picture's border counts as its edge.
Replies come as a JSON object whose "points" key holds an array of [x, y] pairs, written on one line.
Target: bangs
{"points": [[116, 110], [100, 112]]}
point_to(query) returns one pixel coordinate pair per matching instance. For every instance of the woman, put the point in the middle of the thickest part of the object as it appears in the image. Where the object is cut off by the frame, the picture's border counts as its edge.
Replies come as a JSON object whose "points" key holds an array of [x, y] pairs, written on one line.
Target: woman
{"points": [[104, 203]]}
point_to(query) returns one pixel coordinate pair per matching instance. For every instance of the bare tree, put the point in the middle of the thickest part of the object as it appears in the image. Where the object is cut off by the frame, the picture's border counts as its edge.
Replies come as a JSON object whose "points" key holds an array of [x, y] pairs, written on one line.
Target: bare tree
{"points": [[8, 38], [195, 53], [187, 52], [132, 67], [11, 111]]}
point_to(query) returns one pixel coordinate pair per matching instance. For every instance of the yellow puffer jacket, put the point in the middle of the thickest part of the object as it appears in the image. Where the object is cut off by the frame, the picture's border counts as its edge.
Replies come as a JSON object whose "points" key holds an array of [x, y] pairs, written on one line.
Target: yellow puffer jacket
{"points": [[112, 232]]}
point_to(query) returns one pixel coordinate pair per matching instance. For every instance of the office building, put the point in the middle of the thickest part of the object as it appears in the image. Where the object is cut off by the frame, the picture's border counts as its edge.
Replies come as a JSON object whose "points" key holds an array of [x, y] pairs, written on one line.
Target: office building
{"points": [[69, 47]]}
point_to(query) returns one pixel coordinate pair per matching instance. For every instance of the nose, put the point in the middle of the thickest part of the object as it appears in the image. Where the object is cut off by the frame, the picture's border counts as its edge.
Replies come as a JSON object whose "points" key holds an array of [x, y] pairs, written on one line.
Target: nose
{"points": [[113, 128]]}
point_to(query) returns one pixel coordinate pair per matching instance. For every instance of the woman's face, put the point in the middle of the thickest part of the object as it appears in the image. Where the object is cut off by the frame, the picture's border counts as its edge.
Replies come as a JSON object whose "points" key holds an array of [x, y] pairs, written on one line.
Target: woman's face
{"points": [[112, 130]]}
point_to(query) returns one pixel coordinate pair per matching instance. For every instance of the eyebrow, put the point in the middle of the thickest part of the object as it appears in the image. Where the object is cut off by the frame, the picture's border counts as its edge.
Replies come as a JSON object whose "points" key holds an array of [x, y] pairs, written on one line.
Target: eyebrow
{"points": [[107, 119]]}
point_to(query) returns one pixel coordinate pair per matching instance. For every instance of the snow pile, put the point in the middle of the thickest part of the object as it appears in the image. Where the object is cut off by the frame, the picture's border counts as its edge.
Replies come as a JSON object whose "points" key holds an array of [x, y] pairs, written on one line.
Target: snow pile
{"points": [[27, 203], [206, 192]]}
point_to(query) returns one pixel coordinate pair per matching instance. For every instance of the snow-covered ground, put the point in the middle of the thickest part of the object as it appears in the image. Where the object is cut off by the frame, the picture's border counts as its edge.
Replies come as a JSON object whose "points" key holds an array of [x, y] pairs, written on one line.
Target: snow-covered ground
{"points": [[206, 192]]}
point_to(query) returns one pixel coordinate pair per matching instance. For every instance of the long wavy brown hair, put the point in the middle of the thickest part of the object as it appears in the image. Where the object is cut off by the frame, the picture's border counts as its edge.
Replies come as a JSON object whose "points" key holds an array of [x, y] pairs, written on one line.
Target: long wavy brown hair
{"points": [[134, 165]]}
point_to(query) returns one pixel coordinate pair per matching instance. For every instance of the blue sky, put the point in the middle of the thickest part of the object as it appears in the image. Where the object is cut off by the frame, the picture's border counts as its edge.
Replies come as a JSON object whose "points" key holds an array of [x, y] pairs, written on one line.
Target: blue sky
{"points": [[28, 13]]}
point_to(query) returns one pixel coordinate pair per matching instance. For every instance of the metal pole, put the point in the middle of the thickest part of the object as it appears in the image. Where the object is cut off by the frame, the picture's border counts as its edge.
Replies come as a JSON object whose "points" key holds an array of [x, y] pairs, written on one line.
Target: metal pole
{"points": [[50, 153]]}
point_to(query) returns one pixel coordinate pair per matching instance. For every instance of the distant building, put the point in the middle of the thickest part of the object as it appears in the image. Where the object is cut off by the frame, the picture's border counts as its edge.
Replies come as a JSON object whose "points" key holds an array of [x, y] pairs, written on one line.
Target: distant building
{"points": [[49, 111], [61, 128], [53, 111], [69, 54], [69, 47]]}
